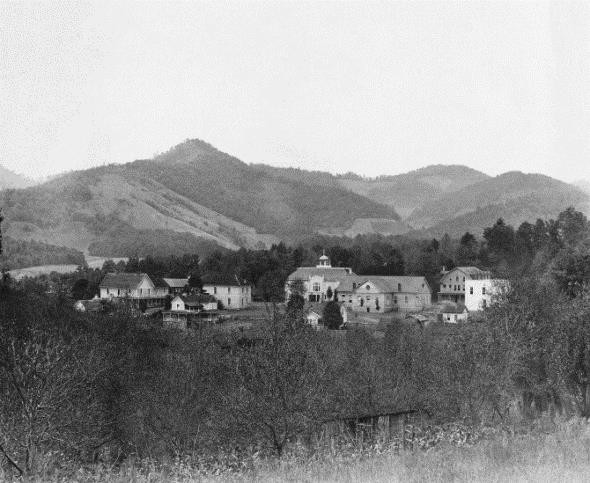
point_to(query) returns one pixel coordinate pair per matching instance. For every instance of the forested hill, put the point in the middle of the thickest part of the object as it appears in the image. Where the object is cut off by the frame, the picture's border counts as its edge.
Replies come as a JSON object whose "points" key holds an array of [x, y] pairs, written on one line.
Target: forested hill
{"points": [[514, 196], [9, 179], [409, 191], [193, 189]]}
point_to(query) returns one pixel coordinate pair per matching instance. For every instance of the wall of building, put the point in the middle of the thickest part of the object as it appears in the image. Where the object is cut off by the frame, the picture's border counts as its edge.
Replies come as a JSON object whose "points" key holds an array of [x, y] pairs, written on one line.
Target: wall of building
{"points": [[231, 296], [480, 294]]}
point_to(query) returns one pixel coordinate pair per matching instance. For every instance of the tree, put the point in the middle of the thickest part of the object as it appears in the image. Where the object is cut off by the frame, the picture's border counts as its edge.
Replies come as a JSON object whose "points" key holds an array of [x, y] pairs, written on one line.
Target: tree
{"points": [[1, 220], [79, 289], [195, 282], [467, 252], [280, 385], [331, 316]]}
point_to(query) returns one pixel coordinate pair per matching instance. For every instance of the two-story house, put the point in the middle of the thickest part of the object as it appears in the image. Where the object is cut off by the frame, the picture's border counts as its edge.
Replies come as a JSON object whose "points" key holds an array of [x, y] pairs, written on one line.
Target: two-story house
{"points": [[452, 283], [233, 294], [136, 288]]}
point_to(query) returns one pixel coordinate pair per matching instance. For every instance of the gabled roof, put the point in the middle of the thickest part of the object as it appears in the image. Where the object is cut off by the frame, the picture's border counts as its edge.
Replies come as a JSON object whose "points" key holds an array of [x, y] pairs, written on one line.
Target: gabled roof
{"points": [[388, 284], [123, 280], [472, 272], [221, 279], [329, 273], [176, 282], [454, 309]]}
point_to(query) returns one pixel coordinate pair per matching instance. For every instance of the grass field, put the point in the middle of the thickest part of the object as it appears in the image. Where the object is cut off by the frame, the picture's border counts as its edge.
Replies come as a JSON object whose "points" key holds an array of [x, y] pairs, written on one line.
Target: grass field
{"points": [[558, 455]]}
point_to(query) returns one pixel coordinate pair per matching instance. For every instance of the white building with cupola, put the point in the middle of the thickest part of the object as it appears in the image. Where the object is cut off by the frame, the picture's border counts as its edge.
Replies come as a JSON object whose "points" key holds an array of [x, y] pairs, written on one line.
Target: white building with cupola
{"points": [[319, 283]]}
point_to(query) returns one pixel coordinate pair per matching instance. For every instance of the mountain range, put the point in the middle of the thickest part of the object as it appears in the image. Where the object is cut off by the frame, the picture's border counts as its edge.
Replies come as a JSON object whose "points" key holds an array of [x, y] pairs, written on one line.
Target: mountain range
{"points": [[195, 194]]}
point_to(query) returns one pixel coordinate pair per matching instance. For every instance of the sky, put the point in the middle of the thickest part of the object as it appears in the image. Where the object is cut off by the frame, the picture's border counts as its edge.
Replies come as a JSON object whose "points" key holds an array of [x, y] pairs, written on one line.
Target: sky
{"points": [[370, 87]]}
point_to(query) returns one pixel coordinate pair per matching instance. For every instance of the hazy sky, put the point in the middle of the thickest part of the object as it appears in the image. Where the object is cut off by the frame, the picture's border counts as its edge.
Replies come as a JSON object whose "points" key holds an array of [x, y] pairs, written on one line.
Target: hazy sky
{"points": [[378, 88]]}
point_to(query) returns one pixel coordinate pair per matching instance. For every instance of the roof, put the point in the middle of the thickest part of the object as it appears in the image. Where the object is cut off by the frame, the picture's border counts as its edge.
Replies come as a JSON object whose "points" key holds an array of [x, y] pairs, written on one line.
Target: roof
{"points": [[329, 273], [472, 272], [122, 280], [198, 299], [454, 309], [409, 284], [176, 282], [222, 279]]}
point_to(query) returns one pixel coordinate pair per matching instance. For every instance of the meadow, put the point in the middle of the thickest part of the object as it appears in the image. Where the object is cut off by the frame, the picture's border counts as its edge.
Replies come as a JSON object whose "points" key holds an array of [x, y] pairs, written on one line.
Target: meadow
{"points": [[548, 452]]}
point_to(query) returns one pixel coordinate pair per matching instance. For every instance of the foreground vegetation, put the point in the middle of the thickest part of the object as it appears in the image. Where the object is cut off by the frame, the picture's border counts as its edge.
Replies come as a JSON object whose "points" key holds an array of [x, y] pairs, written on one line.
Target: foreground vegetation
{"points": [[542, 452]]}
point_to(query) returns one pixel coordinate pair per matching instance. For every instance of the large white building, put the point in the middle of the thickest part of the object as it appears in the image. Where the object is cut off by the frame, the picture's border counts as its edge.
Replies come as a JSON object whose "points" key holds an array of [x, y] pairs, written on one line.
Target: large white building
{"points": [[482, 293], [453, 283], [361, 293], [315, 281]]}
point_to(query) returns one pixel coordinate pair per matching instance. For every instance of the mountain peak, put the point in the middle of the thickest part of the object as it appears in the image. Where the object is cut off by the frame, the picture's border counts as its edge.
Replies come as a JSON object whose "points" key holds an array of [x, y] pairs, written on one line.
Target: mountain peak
{"points": [[187, 151]]}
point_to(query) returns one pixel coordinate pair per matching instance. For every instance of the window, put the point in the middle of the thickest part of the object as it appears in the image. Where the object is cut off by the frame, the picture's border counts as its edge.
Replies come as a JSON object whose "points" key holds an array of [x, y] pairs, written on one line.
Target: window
{"points": [[228, 301], [399, 287], [368, 287], [456, 279], [316, 287], [470, 290], [228, 289], [406, 299], [395, 300], [484, 303], [483, 290], [214, 290]]}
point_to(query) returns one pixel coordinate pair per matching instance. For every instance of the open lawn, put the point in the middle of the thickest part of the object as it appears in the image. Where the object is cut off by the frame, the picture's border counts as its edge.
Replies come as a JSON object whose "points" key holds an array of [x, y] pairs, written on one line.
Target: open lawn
{"points": [[562, 454]]}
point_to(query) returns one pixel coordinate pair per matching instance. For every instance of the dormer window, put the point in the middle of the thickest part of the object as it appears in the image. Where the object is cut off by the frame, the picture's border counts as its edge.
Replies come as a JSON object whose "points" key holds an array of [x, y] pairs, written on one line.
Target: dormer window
{"points": [[368, 287], [399, 287]]}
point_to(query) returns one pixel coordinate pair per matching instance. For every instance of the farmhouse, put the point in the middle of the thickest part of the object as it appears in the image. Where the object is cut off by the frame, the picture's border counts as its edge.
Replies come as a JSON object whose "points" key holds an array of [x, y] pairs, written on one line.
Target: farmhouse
{"points": [[387, 293], [481, 293], [452, 283], [136, 288], [232, 294], [186, 310], [319, 283]]}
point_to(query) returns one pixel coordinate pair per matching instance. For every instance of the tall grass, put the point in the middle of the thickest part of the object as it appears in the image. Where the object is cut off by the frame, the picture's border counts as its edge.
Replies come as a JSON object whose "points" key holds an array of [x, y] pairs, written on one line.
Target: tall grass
{"points": [[561, 454]]}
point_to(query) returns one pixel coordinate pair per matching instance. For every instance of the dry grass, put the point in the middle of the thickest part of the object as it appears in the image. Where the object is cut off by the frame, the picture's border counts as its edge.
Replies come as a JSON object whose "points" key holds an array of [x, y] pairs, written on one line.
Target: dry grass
{"points": [[560, 455]]}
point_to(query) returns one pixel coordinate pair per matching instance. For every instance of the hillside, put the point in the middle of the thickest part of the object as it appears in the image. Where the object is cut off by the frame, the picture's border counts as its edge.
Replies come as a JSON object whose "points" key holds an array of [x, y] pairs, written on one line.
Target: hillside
{"points": [[9, 179], [514, 196], [192, 189], [406, 192]]}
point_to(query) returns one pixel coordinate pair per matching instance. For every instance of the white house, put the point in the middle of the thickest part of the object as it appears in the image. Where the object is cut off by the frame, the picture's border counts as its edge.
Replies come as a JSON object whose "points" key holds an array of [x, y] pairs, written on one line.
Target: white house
{"points": [[185, 310], [452, 283], [482, 293], [231, 293], [193, 303], [137, 288], [319, 283], [452, 314]]}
